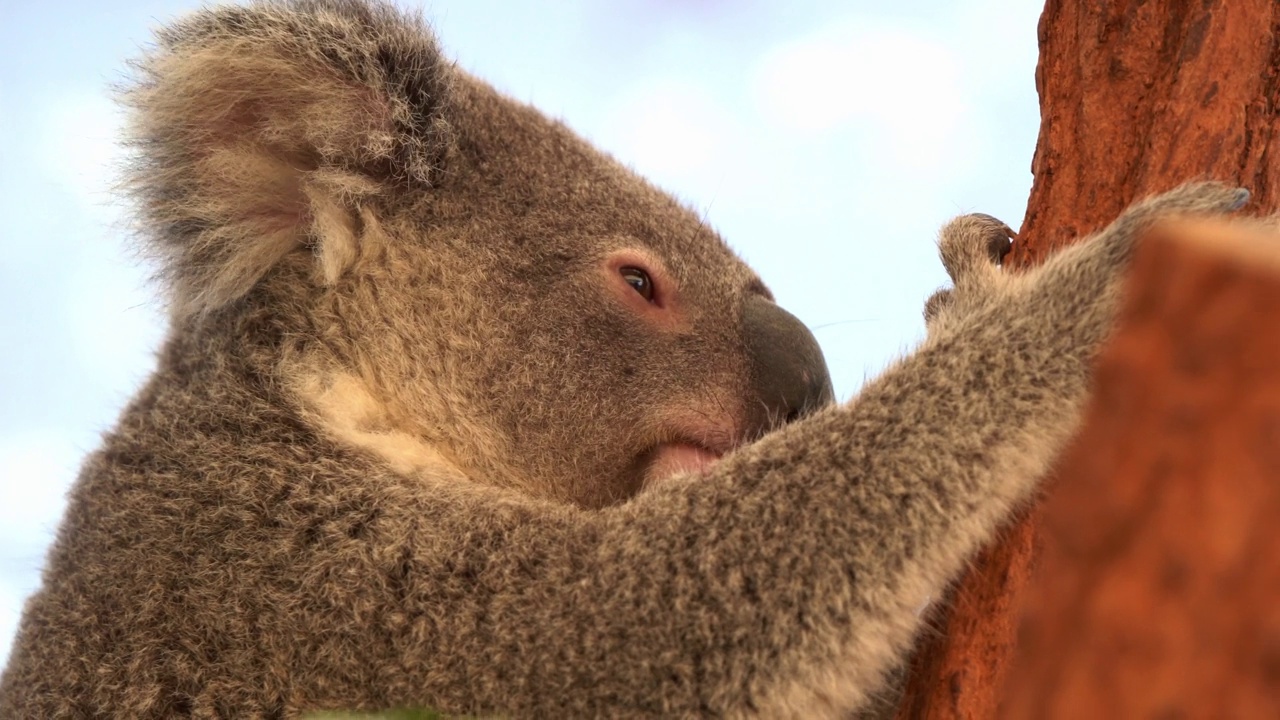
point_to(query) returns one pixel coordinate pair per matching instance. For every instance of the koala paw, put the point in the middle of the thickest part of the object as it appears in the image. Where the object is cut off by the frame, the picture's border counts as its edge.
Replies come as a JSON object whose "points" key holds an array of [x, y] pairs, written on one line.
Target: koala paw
{"points": [[1077, 289], [972, 247], [1196, 198]]}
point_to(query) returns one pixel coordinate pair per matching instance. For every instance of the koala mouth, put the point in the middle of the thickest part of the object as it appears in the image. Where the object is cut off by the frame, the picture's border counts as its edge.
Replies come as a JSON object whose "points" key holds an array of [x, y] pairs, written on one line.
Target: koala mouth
{"points": [[674, 458]]}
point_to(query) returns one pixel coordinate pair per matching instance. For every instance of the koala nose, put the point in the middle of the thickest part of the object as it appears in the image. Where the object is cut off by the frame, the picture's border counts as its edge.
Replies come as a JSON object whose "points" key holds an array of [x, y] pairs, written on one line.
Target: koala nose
{"points": [[788, 372]]}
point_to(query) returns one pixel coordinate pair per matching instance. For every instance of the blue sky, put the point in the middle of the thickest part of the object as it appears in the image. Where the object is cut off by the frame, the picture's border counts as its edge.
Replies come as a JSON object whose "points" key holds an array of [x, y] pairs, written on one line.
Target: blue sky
{"points": [[827, 141]]}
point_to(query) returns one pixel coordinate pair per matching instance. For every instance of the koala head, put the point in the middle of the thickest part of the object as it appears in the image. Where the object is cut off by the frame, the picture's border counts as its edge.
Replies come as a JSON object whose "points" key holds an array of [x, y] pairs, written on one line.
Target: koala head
{"points": [[440, 275]]}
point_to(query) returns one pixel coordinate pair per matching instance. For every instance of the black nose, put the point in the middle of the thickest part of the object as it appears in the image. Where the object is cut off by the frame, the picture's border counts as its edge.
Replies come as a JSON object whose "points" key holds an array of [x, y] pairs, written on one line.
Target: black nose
{"points": [[788, 372]]}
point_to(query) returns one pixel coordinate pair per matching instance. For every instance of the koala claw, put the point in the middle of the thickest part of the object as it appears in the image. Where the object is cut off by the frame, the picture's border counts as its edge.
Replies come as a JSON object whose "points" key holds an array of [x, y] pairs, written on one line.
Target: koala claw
{"points": [[1242, 196]]}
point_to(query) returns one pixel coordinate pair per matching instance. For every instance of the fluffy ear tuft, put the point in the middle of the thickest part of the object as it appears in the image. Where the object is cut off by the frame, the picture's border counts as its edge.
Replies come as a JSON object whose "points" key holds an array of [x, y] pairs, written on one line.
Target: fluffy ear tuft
{"points": [[263, 129]]}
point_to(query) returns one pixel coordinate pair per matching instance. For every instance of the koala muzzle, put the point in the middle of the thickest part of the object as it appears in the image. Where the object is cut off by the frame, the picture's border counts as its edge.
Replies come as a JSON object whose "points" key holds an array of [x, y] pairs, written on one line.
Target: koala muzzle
{"points": [[788, 373]]}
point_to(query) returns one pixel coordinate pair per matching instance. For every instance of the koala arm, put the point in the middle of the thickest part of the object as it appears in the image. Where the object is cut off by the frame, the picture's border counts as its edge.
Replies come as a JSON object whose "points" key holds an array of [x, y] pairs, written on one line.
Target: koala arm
{"points": [[788, 580]]}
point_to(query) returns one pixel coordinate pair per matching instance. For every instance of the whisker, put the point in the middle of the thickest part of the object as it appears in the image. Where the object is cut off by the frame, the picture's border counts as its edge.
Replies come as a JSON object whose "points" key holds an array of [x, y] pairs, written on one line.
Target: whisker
{"points": [[824, 326]]}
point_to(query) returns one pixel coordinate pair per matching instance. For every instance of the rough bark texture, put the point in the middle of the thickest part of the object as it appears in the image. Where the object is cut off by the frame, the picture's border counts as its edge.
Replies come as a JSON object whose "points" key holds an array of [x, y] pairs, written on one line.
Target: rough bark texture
{"points": [[1158, 589], [1136, 97]]}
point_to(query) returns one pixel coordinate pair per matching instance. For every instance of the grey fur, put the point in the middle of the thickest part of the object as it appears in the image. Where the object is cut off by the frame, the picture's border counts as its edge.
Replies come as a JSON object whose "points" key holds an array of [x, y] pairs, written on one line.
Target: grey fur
{"points": [[389, 456]]}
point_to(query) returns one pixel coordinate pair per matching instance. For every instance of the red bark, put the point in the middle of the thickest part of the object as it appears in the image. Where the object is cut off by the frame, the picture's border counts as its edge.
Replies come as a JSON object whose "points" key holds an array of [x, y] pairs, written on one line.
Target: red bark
{"points": [[1136, 97], [1158, 590]]}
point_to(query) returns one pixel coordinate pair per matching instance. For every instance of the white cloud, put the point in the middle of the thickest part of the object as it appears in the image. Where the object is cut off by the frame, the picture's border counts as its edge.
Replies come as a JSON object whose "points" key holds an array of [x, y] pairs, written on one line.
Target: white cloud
{"points": [[37, 468], [675, 132], [78, 147], [112, 317], [901, 85], [109, 310], [999, 66], [11, 600]]}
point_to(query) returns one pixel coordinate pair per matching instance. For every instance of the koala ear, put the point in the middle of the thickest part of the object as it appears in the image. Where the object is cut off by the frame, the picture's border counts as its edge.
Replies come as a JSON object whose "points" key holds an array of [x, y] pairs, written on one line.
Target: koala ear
{"points": [[263, 129]]}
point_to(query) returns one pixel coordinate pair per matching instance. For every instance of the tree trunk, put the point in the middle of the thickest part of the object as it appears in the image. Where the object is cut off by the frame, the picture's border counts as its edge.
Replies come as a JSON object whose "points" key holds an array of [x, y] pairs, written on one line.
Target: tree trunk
{"points": [[1136, 97], [1158, 590]]}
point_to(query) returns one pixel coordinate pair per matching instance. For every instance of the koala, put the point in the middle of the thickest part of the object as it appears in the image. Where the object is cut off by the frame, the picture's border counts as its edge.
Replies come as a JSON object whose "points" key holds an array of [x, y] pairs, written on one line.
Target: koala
{"points": [[456, 412], [957, 242]]}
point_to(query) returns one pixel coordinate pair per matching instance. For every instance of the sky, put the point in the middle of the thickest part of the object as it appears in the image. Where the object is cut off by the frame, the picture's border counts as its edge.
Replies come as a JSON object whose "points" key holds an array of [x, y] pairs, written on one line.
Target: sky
{"points": [[826, 141]]}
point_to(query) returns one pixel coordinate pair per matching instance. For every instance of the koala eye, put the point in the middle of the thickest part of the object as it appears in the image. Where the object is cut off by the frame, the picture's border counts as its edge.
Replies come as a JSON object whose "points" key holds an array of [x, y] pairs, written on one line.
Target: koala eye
{"points": [[639, 281]]}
